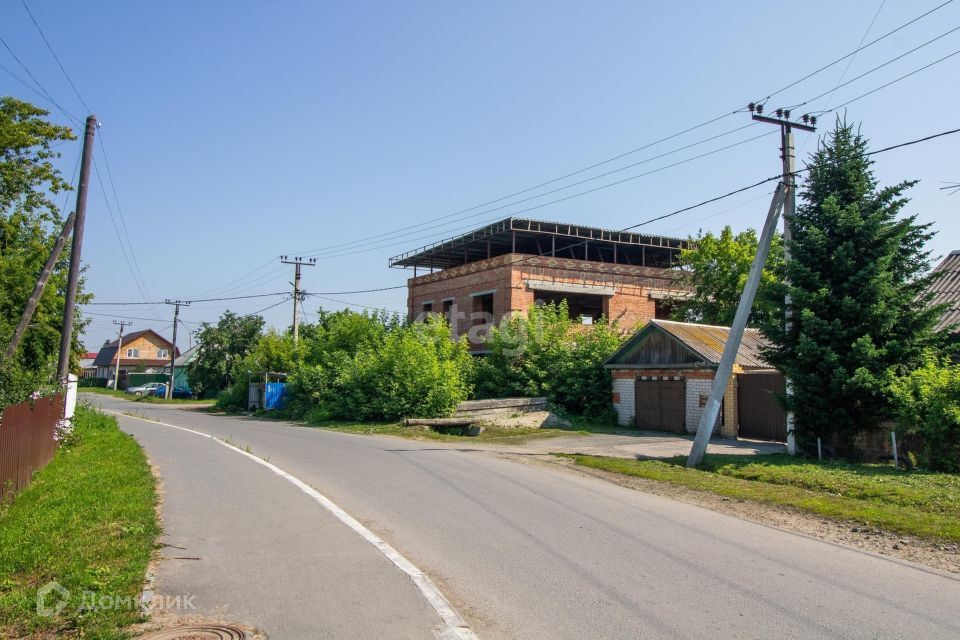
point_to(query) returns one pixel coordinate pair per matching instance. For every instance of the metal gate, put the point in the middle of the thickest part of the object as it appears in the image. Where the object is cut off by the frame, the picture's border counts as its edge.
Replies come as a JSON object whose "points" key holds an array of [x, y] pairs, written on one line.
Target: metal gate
{"points": [[660, 405], [760, 414]]}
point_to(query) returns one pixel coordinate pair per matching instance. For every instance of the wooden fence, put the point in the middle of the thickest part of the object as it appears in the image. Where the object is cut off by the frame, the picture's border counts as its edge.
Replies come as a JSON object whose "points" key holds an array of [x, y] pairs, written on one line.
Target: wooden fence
{"points": [[27, 441]]}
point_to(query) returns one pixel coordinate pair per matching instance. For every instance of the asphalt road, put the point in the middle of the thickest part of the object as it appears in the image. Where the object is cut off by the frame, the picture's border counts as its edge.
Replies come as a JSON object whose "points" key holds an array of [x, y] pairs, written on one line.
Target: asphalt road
{"points": [[522, 551]]}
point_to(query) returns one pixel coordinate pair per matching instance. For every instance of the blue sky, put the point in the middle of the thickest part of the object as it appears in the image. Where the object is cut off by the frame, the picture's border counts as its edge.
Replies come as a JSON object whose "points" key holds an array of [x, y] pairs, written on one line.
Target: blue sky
{"points": [[240, 131]]}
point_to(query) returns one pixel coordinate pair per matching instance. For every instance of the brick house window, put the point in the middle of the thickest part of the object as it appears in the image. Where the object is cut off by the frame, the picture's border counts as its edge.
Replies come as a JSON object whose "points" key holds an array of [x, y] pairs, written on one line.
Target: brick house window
{"points": [[133, 352], [447, 307], [482, 306], [428, 307]]}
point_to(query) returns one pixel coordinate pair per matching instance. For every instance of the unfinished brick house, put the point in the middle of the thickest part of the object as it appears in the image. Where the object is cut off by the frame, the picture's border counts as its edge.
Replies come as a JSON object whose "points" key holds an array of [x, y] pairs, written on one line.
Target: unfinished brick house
{"points": [[506, 267]]}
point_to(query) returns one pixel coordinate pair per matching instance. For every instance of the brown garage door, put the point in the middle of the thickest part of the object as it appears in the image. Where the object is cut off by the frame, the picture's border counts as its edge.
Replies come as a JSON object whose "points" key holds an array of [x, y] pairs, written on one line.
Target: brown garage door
{"points": [[761, 416], [660, 405]]}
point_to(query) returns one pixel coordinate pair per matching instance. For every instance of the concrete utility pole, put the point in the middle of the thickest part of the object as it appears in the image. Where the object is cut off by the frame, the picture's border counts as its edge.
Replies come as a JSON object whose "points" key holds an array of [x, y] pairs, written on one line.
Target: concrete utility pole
{"points": [[173, 347], [710, 412], [116, 375], [34, 298], [788, 157], [297, 263], [70, 302]]}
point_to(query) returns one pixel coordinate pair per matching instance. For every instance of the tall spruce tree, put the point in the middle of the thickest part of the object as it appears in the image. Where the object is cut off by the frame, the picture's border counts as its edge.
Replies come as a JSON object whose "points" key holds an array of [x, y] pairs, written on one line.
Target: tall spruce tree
{"points": [[857, 279]]}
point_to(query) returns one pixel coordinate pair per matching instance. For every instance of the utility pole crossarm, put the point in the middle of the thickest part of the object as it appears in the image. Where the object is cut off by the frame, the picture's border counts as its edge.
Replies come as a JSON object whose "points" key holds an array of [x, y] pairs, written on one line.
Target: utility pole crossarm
{"points": [[297, 262]]}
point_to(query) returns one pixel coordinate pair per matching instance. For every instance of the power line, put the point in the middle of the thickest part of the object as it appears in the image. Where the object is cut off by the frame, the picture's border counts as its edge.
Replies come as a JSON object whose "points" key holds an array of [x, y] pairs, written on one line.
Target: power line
{"points": [[563, 177], [670, 214], [227, 285], [859, 48], [37, 82], [123, 249], [603, 175], [846, 69], [345, 252], [55, 57], [903, 77], [878, 67], [123, 222], [727, 195], [601, 187], [247, 297]]}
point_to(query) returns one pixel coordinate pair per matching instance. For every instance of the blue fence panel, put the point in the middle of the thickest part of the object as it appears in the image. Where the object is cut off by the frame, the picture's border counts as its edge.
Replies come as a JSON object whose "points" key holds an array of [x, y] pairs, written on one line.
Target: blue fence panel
{"points": [[275, 396]]}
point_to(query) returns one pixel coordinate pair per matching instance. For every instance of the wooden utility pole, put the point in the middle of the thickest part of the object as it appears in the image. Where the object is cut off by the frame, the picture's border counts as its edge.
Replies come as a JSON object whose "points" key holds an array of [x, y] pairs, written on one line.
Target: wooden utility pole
{"points": [[70, 302], [34, 298], [788, 158], [297, 263], [173, 347], [116, 375]]}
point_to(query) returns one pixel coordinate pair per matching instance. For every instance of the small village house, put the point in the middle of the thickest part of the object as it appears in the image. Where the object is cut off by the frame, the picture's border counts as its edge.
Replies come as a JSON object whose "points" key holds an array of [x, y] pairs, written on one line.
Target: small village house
{"points": [[181, 378], [142, 351], [946, 291], [87, 367], [662, 378]]}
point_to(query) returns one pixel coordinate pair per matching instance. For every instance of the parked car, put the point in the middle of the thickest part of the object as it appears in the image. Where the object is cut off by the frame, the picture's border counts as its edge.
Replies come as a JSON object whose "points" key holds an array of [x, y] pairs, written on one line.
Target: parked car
{"points": [[178, 392], [146, 389]]}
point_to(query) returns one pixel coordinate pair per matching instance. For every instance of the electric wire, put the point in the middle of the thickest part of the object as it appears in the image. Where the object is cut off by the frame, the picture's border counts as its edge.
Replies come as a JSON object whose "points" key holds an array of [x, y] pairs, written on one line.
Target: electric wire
{"points": [[55, 57], [346, 252], [595, 189], [37, 82], [855, 51], [861, 47], [116, 229], [877, 68]]}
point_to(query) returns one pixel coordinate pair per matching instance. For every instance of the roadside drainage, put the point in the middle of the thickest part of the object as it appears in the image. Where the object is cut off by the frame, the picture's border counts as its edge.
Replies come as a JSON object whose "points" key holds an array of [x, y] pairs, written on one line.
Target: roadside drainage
{"points": [[200, 632]]}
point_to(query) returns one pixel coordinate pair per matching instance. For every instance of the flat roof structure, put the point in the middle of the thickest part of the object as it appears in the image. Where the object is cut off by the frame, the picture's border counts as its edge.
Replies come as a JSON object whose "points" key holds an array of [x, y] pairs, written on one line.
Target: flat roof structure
{"points": [[543, 238]]}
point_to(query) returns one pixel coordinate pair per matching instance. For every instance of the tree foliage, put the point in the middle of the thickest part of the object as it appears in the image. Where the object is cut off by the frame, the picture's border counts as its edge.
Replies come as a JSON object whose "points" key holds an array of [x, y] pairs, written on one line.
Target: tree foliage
{"points": [[716, 270], [927, 401], [547, 354], [364, 366], [223, 348], [29, 225], [857, 283]]}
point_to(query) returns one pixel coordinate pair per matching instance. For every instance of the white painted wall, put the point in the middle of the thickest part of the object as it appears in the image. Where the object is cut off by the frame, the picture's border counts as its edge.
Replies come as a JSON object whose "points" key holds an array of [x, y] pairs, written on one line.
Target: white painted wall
{"points": [[695, 388], [626, 408]]}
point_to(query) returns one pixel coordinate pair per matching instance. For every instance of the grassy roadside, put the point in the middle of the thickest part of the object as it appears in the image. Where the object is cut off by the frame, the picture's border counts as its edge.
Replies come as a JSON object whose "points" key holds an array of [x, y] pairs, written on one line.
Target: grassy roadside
{"points": [[88, 522], [517, 435], [498, 436], [146, 399], [917, 503]]}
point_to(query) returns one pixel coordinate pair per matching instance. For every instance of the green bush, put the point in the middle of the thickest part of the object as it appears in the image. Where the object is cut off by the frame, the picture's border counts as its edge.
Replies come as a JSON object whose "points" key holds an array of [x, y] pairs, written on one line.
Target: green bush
{"points": [[928, 404], [364, 369], [548, 354]]}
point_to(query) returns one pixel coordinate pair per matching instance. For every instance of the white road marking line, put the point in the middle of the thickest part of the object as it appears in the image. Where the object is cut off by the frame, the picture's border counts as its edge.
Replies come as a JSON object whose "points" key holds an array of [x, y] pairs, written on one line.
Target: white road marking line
{"points": [[456, 627]]}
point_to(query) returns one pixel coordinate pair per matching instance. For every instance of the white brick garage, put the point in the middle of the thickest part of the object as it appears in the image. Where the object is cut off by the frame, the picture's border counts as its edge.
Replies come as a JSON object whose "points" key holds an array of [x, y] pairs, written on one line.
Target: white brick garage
{"points": [[678, 355]]}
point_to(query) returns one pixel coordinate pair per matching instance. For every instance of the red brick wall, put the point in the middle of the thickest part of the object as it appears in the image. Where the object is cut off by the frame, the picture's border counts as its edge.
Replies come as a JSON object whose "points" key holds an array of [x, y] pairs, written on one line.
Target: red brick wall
{"points": [[631, 304]]}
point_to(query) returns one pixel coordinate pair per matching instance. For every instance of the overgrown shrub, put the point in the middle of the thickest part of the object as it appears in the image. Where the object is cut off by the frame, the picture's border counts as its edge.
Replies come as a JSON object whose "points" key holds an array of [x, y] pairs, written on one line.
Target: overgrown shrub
{"points": [[547, 354], [927, 401], [385, 372]]}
